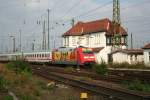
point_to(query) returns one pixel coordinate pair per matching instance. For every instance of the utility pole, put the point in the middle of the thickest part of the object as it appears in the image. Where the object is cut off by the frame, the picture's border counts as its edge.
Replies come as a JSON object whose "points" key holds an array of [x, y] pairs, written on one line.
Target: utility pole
{"points": [[44, 37], [131, 41], [48, 10], [20, 41], [14, 43]]}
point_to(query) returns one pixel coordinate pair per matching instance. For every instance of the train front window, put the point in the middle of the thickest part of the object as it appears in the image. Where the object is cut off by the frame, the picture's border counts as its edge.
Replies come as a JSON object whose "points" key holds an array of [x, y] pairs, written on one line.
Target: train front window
{"points": [[87, 51]]}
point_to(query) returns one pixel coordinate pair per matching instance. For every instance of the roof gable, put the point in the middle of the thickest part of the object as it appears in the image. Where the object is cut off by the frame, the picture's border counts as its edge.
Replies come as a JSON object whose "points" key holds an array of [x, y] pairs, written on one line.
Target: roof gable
{"points": [[104, 25], [147, 46]]}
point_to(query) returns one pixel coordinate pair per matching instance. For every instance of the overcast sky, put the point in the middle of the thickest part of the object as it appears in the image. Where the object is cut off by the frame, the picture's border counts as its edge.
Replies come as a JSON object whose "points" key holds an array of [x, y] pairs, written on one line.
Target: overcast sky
{"points": [[23, 15]]}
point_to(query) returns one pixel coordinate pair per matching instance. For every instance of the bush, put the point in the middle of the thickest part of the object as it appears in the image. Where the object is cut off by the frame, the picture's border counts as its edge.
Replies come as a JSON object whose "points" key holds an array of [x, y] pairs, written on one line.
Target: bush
{"points": [[120, 65], [3, 83], [8, 97], [137, 85], [100, 68], [127, 65], [19, 66]]}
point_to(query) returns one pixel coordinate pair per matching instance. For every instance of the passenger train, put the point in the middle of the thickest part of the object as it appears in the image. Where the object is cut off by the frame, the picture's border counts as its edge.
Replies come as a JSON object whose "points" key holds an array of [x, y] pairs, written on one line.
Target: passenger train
{"points": [[67, 56]]}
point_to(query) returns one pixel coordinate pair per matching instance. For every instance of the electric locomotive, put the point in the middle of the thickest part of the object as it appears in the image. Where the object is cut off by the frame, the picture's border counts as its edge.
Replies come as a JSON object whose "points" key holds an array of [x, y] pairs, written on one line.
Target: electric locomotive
{"points": [[73, 56]]}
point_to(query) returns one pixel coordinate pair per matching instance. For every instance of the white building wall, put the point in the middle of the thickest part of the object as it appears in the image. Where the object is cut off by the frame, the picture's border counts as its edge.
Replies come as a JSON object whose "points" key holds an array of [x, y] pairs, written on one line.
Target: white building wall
{"points": [[147, 57], [103, 55], [87, 40], [120, 57]]}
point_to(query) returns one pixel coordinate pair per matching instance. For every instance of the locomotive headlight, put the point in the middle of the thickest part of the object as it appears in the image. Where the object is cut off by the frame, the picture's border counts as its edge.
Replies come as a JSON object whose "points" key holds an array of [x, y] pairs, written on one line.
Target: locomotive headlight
{"points": [[85, 57], [91, 57]]}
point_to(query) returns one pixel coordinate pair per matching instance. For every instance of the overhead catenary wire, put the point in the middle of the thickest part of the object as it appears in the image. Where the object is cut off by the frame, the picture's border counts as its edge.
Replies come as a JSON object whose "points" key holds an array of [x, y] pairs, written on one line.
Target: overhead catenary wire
{"points": [[69, 10], [87, 12]]}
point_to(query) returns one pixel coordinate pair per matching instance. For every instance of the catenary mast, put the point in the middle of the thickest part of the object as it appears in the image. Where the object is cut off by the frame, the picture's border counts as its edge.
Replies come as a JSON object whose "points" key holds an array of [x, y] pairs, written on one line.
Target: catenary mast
{"points": [[116, 25]]}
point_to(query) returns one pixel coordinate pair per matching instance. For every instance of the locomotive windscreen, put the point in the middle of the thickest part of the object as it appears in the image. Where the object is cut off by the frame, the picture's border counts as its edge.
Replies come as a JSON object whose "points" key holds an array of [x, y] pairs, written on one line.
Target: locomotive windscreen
{"points": [[87, 51]]}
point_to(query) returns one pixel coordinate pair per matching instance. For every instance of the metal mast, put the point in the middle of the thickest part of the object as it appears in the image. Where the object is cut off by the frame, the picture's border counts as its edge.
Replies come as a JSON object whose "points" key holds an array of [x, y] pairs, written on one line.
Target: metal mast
{"points": [[116, 21], [44, 37], [116, 12], [48, 44]]}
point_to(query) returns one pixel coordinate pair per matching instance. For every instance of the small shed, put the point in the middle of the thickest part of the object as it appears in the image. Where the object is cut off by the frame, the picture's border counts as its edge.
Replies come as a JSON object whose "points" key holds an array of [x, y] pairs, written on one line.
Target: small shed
{"points": [[130, 56], [147, 54]]}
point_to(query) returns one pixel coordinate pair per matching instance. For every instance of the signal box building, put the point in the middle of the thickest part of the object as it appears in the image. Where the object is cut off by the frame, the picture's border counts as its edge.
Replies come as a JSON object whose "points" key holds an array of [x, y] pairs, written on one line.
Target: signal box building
{"points": [[95, 34], [147, 54]]}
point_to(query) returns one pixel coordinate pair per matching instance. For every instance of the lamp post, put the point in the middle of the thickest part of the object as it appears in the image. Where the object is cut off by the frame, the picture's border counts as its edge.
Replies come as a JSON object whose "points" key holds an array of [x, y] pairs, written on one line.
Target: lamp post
{"points": [[14, 43]]}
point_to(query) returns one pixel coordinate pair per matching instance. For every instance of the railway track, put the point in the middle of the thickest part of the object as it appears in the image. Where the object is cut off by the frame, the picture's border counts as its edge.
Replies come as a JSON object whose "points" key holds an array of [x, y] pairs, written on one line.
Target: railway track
{"points": [[109, 90], [113, 75], [132, 74]]}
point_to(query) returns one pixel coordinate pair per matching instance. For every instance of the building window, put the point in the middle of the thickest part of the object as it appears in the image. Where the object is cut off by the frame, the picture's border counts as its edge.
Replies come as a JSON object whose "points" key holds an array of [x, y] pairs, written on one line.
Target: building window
{"points": [[122, 40], [96, 40], [108, 40], [67, 41], [73, 40], [99, 39], [87, 40]]}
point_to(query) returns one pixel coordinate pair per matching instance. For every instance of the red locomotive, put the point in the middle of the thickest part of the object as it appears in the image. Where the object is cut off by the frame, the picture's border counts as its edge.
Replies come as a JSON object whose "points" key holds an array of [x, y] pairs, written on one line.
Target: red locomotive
{"points": [[80, 56]]}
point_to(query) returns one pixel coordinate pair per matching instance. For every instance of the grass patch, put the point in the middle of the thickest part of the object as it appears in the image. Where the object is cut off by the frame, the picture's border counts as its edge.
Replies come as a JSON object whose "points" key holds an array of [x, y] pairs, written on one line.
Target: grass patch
{"points": [[19, 66], [3, 83], [137, 85], [100, 68], [84, 79], [8, 97], [69, 69]]}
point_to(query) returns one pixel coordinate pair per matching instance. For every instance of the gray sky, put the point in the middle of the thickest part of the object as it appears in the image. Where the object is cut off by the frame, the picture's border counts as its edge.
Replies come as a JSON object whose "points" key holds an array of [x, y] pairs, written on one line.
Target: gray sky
{"points": [[23, 15]]}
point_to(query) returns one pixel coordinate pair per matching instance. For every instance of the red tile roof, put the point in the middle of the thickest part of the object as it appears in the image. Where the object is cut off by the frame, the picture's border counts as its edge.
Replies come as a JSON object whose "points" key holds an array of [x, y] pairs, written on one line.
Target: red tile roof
{"points": [[104, 25], [147, 46]]}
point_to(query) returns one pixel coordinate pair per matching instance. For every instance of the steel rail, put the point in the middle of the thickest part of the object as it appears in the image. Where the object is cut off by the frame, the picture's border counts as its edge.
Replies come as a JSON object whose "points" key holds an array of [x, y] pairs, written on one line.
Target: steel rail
{"points": [[102, 89]]}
